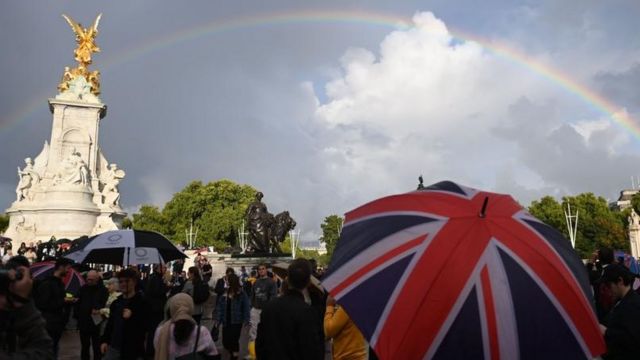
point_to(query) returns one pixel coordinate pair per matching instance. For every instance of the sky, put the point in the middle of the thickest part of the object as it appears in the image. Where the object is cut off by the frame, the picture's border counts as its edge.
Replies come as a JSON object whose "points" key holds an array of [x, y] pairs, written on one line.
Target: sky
{"points": [[324, 106]]}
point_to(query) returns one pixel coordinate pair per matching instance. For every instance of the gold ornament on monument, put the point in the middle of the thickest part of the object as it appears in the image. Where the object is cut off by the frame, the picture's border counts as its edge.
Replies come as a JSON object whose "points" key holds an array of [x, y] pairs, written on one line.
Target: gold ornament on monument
{"points": [[85, 37]]}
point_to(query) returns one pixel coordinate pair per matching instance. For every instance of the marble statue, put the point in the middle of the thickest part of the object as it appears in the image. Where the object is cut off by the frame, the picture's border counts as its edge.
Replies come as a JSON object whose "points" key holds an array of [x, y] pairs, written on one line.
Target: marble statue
{"points": [[70, 189], [74, 170], [27, 178], [265, 231], [110, 182]]}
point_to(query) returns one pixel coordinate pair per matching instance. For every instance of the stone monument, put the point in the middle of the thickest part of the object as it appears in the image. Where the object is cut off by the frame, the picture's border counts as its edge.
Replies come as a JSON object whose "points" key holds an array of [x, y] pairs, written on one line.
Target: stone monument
{"points": [[266, 231], [70, 189]]}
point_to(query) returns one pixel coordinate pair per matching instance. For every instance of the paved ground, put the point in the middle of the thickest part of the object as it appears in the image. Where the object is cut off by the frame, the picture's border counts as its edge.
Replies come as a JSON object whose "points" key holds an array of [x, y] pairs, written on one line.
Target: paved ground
{"points": [[70, 345]]}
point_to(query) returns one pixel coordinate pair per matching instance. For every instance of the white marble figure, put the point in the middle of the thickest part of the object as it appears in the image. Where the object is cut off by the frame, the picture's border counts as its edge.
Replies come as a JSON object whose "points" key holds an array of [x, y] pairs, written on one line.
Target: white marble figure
{"points": [[111, 180], [74, 170], [28, 178]]}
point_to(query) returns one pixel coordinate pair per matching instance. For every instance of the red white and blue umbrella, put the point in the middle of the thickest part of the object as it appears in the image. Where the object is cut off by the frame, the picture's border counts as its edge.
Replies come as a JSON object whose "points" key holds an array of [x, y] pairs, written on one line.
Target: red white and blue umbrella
{"points": [[125, 247], [72, 282], [450, 272]]}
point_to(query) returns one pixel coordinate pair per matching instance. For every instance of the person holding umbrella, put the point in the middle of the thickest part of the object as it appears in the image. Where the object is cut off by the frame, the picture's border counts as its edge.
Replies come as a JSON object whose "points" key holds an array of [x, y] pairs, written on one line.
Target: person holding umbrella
{"points": [[126, 330]]}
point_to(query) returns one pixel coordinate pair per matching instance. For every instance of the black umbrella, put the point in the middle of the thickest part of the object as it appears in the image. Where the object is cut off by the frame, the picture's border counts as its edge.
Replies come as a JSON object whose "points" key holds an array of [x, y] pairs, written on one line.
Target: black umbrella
{"points": [[125, 247]]}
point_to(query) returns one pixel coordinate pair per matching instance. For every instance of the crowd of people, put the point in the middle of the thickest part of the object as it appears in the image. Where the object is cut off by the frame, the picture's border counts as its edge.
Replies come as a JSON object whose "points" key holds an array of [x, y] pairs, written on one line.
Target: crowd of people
{"points": [[165, 312], [616, 292]]}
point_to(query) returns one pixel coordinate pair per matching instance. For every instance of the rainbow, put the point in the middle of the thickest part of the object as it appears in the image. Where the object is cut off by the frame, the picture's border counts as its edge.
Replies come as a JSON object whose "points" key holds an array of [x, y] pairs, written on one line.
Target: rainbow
{"points": [[554, 75]]}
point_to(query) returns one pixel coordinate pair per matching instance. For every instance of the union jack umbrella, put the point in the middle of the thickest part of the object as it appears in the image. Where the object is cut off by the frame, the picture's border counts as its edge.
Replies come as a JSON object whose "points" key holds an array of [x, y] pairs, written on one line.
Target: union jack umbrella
{"points": [[72, 282], [450, 272]]}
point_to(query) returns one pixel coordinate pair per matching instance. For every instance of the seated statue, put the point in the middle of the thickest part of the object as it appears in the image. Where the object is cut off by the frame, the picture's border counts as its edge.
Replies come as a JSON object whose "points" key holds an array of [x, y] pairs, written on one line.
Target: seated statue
{"points": [[74, 170]]}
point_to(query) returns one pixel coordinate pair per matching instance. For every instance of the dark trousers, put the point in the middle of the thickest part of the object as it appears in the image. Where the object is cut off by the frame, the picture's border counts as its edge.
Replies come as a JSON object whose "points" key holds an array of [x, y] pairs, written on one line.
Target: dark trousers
{"points": [[55, 335], [155, 320], [90, 339]]}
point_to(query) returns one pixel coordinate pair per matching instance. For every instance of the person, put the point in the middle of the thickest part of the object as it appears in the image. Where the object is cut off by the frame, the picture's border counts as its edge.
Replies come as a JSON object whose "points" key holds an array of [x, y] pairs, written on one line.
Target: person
{"points": [[31, 254], [177, 283], [348, 342], [233, 313], [289, 326], [601, 293], [195, 281], [222, 284], [178, 335], [50, 298], [8, 254], [243, 274], [22, 249], [22, 327], [263, 290], [91, 298], [126, 329], [207, 271], [155, 293], [622, 334], [112, 288]]}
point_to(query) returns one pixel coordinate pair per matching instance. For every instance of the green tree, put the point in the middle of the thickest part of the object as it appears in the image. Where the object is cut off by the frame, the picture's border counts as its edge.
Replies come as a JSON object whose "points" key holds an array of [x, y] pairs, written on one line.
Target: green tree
{"points": [[150, 217], [598, 225], [216, 210], [4, 222], [635, 202], [127, 223], [331, 227], [549, 211]]}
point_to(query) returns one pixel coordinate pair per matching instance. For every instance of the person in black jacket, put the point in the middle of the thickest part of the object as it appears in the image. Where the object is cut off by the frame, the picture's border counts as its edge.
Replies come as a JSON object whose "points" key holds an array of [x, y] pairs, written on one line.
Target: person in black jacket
{"points": [[91, 298], [290, 328], [622, 334], [126, 331], [50, 298], [155, 293], [22, 328]]}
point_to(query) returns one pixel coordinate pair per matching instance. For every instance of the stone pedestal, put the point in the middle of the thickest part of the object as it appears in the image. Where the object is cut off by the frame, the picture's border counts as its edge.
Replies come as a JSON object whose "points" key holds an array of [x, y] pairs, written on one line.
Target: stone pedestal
{"points": [[634, 233], [70, 189]]}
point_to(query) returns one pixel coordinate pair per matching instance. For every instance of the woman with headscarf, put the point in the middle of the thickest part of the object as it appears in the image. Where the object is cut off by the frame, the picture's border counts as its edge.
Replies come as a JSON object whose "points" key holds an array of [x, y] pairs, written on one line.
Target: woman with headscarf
{"points": [[180, 335]]}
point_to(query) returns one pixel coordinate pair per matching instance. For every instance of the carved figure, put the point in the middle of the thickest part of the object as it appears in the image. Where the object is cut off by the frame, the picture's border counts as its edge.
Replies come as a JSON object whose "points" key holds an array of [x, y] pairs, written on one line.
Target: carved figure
{"points": [[281, 227], [28, 177], [111, 180], [259, 222], [265, 231], [85, 37], [74, 170]]}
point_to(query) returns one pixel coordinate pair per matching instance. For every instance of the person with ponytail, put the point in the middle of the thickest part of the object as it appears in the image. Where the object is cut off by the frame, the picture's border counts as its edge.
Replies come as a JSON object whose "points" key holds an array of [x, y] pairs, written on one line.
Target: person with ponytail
{"points": [[180, 337]]}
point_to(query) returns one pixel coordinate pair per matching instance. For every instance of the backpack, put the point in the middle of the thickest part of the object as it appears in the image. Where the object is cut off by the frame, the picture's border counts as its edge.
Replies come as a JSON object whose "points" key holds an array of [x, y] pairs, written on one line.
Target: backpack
{"points": [[200, 292]]}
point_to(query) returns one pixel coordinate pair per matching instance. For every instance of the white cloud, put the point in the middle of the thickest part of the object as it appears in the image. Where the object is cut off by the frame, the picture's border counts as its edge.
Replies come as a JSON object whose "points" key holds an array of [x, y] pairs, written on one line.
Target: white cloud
{"points": [[451, 110]]}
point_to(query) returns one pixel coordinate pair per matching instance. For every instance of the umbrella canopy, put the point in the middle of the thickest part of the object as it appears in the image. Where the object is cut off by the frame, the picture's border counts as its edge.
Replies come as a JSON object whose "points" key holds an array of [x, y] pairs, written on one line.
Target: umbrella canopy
{"points": [[125, 247], [72, 282], [450, 272]]}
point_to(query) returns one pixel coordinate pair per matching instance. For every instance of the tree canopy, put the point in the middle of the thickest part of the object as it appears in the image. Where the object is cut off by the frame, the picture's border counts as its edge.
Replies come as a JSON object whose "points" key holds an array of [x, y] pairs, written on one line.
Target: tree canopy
{"points": [[331, 228], [598, 225], [216, 209]]}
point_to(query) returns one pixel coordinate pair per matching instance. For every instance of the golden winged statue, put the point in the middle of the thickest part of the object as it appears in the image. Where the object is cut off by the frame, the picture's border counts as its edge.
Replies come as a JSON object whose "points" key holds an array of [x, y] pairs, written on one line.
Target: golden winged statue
{"points": [[85, 37]]}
